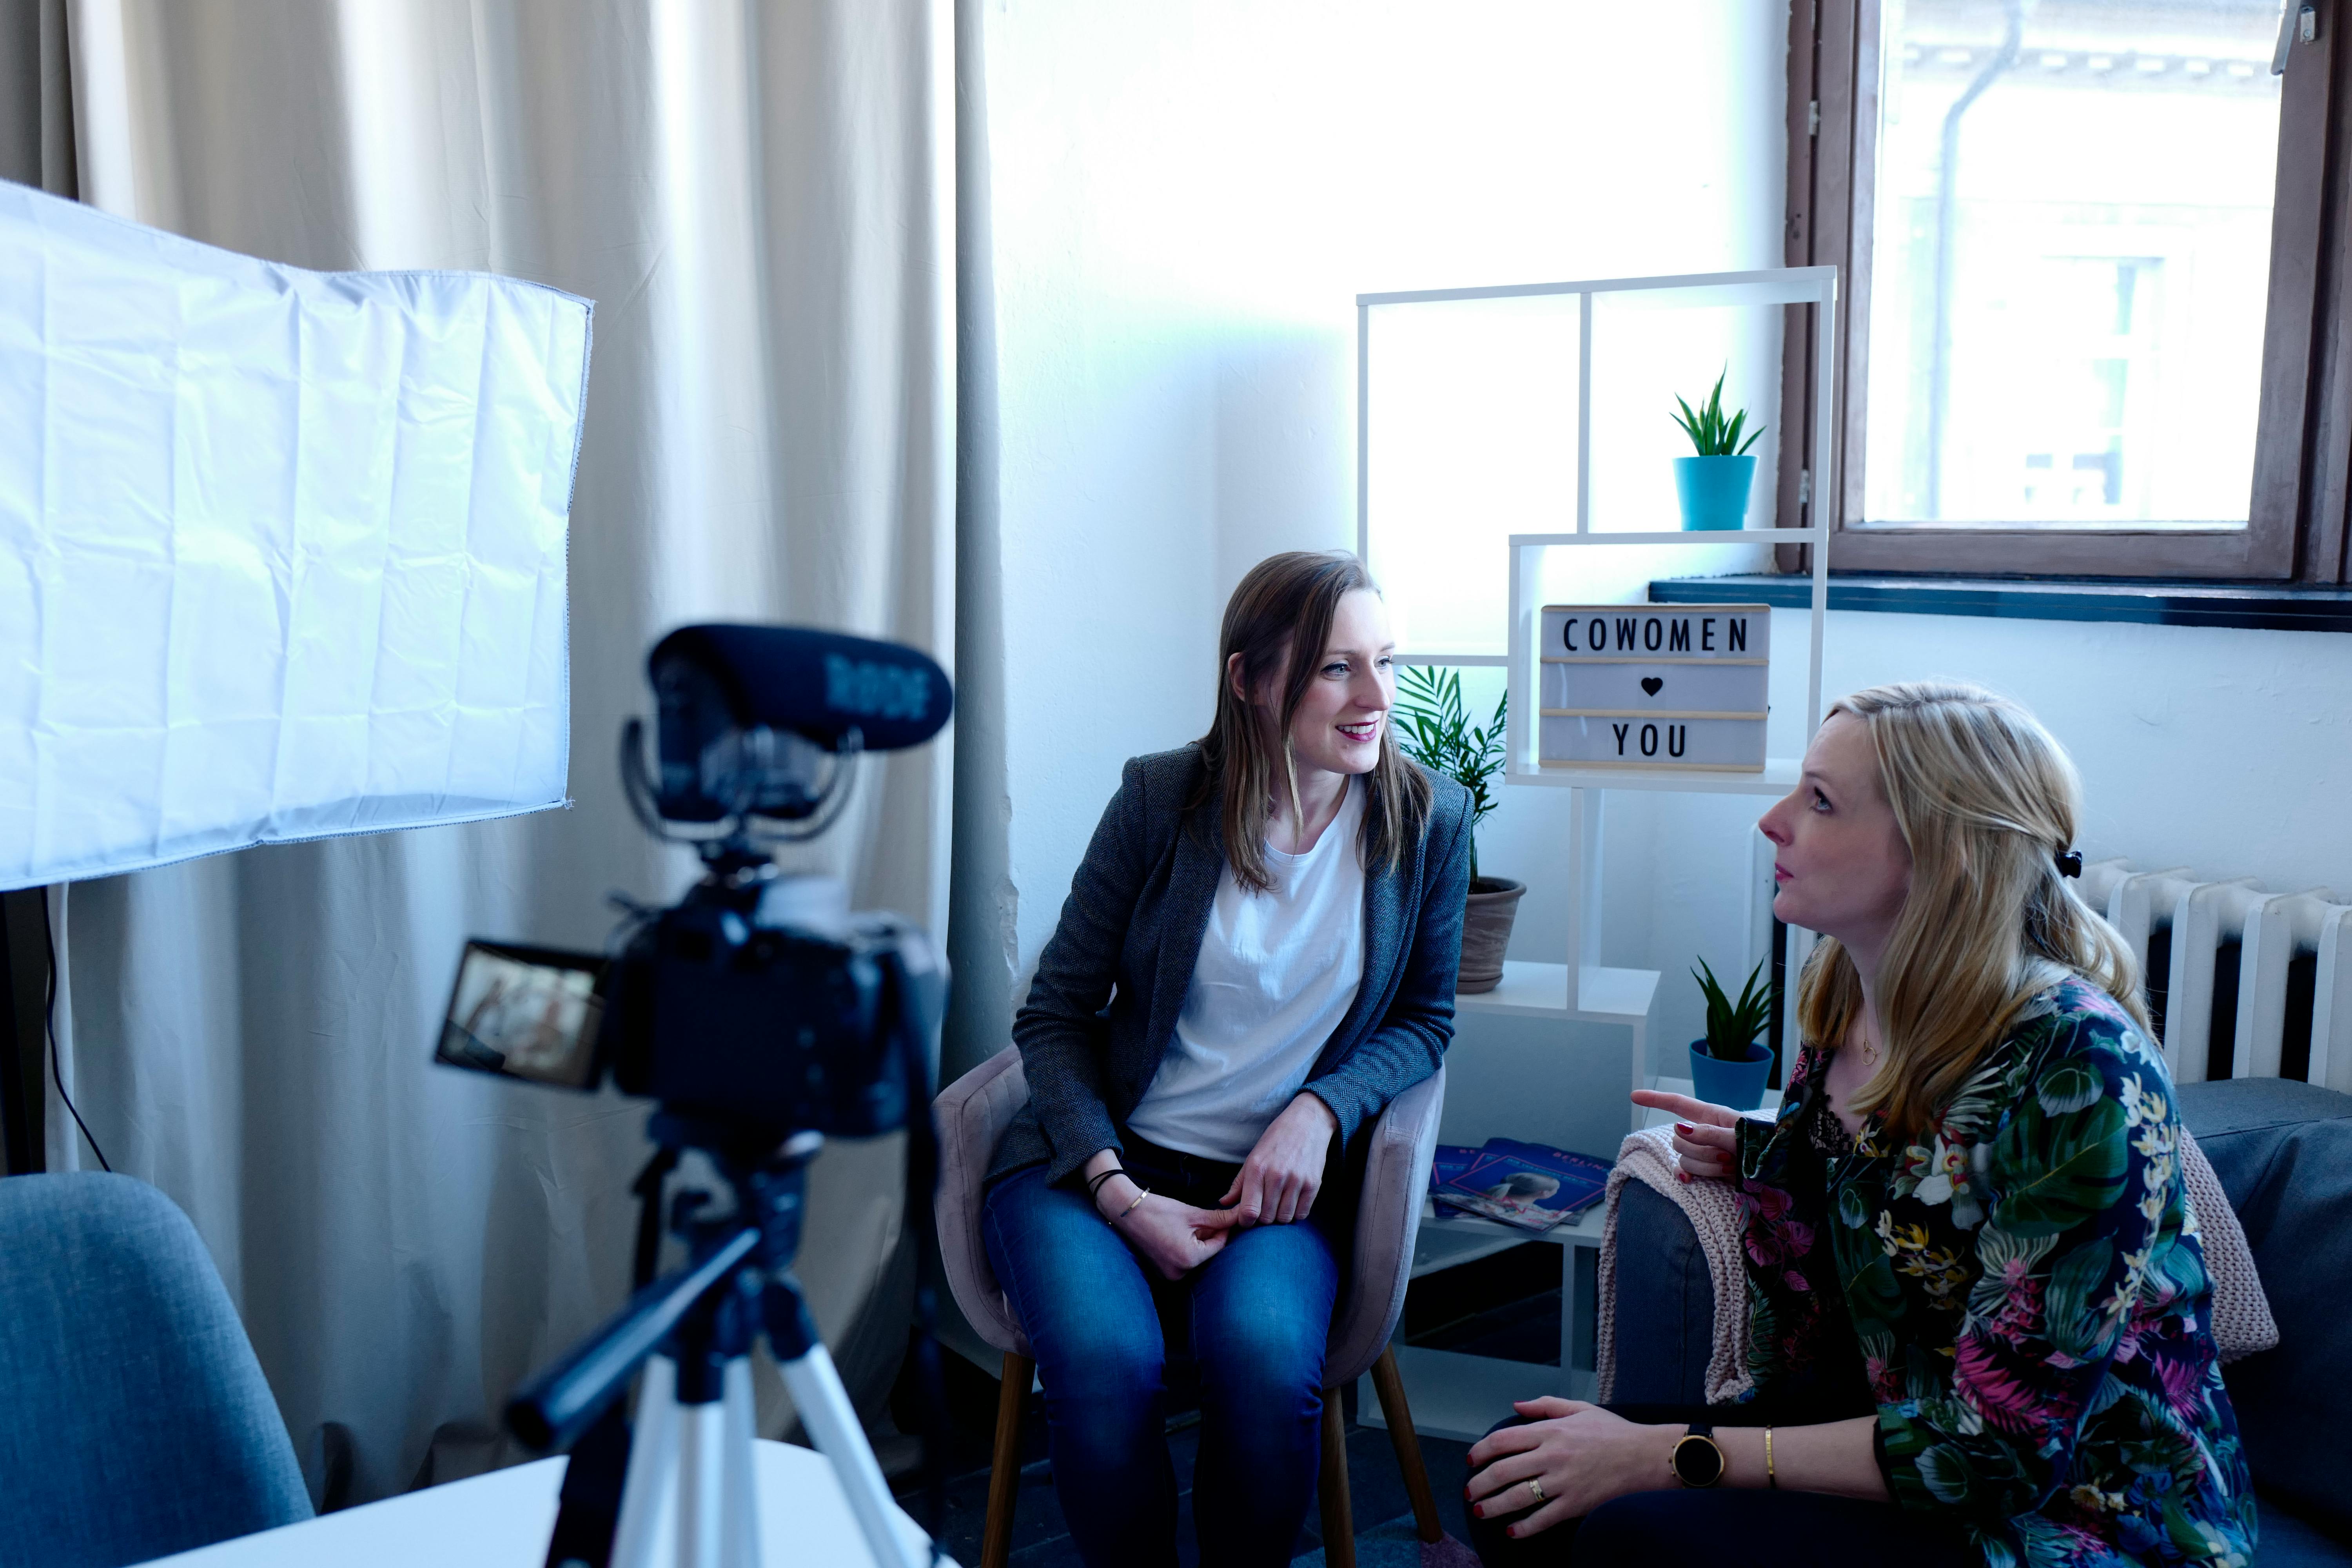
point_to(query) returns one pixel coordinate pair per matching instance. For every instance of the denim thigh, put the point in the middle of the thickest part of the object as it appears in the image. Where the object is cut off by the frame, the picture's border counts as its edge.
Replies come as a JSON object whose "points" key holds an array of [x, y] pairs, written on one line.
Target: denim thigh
{"points": [[1260, 1320], [1090, 1312]]}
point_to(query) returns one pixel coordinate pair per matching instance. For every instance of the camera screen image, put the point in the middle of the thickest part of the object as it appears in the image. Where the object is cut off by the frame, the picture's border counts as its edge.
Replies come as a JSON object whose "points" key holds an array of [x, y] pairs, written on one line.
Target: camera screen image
{"points": [[529, 1013]]}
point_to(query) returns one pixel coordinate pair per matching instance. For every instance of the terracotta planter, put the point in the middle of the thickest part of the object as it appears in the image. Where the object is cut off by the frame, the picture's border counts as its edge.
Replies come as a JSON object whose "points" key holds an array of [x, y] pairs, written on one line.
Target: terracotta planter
{"points": [[1493, 905]]}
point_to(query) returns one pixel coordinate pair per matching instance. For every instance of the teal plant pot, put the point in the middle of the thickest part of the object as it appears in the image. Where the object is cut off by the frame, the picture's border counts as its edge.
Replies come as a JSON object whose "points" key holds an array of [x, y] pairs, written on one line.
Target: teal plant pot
{"points": [[1713, 491], [1739, 1085]]}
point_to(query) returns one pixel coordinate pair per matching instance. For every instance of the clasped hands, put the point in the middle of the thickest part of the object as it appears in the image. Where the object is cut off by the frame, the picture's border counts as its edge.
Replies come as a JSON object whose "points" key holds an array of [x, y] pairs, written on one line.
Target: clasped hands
{"points": [[1276, 1186]]}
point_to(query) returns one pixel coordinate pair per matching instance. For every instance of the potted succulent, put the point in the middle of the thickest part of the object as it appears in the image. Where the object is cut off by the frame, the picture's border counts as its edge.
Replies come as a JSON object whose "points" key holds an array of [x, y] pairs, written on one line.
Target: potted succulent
{"points": [[1728, 1066], [1434, 730], [1714, 484]]}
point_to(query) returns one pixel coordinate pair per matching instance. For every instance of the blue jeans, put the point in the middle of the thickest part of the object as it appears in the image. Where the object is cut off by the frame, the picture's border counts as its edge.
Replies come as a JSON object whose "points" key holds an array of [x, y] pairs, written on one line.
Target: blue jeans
{"points": [[1251, 1324]]}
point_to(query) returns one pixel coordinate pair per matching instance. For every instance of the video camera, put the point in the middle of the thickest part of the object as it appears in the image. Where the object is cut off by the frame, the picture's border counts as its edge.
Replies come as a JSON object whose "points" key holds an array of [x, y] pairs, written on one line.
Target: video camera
{"points": [[761, 1015], [758, 998]]}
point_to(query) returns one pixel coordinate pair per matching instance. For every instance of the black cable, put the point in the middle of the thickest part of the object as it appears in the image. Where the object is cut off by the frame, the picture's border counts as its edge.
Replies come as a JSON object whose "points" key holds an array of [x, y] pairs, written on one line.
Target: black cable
{"points": [[50, 1027], [922, 1193]]}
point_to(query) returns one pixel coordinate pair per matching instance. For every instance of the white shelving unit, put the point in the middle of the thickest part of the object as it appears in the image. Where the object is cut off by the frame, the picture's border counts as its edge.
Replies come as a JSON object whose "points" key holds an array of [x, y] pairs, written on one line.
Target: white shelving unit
{"points": [[1460, 1395]]}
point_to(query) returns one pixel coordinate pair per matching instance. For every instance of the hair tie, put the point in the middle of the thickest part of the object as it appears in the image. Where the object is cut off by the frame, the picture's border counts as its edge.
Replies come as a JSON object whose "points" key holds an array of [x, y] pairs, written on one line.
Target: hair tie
{"points": [[2069, 862]]}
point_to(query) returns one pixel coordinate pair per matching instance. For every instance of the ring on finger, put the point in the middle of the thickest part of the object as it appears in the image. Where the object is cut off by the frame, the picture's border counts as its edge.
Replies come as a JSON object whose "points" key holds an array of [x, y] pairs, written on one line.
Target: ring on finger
{"points": [[1535, 1485]]}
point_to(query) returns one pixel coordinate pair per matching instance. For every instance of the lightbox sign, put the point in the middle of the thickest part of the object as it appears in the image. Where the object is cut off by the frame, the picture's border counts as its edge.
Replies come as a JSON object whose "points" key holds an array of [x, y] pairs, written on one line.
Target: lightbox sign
{"points": [[1635, 686]]}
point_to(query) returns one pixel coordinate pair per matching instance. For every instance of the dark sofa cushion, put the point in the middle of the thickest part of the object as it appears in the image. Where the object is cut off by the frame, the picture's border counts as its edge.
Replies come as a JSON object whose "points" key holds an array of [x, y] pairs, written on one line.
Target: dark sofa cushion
{"points": [[1665, 1303], [2285, 1541], [2282, 1151]]}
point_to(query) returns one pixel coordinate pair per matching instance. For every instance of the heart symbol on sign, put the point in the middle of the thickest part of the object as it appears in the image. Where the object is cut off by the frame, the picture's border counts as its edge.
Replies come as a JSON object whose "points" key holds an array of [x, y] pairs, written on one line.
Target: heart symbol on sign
{"points": [[1650, 683]]}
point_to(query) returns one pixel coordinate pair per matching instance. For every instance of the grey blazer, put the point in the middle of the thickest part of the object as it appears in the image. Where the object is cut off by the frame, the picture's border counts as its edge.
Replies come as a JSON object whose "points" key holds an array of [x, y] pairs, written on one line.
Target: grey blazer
{"points": [[1112, 980]]}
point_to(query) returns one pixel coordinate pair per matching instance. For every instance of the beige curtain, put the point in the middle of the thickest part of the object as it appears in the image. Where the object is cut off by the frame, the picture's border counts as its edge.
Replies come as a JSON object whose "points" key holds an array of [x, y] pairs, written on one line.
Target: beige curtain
{"points": [[759, 198]]}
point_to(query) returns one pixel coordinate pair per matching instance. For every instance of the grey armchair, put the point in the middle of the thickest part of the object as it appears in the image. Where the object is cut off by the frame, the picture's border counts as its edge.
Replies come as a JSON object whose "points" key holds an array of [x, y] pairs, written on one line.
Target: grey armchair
{"points": [[972, 1113], [137, 1422]]}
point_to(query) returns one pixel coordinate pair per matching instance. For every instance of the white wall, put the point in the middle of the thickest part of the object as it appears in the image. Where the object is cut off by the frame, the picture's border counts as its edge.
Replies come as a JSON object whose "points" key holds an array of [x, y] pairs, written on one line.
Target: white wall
{"points": [[2229, 751], [1186, 201]]}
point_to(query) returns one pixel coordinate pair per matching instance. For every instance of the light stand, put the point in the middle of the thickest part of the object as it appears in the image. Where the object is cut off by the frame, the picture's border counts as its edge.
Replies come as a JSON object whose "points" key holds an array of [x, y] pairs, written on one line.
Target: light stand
{"points": [[689, 1481]]}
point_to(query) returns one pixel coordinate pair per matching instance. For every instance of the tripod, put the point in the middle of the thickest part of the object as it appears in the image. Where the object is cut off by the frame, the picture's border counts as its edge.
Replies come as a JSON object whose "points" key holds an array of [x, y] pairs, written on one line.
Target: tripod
{"points": [[689, 1496]]}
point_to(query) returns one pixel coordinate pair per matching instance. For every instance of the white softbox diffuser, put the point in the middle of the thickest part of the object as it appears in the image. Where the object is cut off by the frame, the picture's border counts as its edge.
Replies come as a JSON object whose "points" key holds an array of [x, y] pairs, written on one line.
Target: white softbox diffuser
{"points": [[281, 552]]}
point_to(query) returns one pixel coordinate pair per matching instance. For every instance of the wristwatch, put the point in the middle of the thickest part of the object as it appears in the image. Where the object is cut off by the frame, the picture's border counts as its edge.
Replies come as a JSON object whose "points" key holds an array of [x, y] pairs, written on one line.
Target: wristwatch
{"points": [[1696, 1461]]}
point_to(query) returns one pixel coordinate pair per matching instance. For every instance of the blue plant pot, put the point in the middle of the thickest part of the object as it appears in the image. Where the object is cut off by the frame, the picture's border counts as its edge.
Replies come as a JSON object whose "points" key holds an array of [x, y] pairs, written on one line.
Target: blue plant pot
{"points": [[1713, 491], [1739, 1085]]}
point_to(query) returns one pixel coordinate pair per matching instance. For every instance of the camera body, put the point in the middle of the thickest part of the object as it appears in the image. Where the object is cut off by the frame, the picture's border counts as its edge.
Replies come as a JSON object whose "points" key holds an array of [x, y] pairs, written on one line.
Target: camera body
{"points": [[718, 1012]]}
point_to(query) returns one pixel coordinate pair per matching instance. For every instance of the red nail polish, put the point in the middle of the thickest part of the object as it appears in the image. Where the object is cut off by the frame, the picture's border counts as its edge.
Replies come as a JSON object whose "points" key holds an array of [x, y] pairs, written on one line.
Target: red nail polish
{"points": [[1684, 1128]]}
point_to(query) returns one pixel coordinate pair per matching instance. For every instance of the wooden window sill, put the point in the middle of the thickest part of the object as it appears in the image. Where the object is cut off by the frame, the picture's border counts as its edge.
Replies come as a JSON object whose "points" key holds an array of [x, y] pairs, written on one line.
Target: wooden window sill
{"points": [[2265, 607]]}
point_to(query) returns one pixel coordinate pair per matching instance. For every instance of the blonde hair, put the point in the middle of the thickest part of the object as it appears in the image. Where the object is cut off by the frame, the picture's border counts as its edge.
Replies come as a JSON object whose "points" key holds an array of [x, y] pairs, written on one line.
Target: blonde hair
{"points": [[1277, 621], [1987, 800]]}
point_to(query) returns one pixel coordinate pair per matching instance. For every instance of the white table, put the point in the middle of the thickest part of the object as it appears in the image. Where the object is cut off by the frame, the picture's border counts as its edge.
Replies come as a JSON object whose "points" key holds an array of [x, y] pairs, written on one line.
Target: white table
{"points": [[501, 1520]]}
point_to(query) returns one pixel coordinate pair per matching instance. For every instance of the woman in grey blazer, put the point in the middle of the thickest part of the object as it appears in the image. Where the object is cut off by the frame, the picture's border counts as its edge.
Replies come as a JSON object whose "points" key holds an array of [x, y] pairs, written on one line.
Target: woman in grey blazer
{"points": [[1257, 955]]}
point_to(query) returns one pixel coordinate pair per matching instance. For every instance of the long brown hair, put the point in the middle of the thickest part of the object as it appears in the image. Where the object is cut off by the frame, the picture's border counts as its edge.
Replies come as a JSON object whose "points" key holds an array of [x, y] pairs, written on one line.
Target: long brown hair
{"points": [[1987, 800], [1282, 610]]}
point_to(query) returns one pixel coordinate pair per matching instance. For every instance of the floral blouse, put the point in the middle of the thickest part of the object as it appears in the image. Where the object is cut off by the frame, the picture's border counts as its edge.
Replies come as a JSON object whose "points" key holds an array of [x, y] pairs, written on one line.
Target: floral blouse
{"points": [[2024, 1291]]}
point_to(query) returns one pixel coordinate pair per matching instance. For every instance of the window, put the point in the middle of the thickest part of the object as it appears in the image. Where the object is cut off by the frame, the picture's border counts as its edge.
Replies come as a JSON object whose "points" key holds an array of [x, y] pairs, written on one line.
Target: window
{"points": [[2084, 244]]}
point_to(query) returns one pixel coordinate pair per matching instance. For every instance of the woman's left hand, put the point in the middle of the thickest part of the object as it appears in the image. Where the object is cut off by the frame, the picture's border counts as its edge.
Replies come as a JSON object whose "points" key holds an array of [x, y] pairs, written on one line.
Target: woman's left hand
{"points": [[1279, 1182], [1579, 1454]]}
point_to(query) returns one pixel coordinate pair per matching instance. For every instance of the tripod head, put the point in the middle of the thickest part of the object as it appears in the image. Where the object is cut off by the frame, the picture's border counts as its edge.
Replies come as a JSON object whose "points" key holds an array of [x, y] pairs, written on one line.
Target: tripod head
{"points": [[737, 1280]]}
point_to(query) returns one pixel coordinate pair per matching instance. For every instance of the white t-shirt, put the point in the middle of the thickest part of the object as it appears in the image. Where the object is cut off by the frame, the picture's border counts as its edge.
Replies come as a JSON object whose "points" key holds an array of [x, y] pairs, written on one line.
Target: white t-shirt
{"points": [[1278, 972]]}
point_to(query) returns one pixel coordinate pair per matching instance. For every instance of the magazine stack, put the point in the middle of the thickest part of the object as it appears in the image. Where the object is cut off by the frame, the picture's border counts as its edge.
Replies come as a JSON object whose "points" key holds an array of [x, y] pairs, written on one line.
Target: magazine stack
{"points": [[1531, 1185]]}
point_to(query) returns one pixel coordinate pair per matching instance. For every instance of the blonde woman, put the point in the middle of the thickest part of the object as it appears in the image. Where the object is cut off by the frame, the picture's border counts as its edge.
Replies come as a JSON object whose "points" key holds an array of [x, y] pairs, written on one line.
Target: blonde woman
{"points": [[1979, 1320], [1257, 955]]}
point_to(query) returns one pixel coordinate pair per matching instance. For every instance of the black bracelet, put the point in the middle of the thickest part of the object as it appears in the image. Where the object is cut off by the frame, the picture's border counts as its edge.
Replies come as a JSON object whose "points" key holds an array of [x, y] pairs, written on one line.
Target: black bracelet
{"points": [[1095, 1182]]}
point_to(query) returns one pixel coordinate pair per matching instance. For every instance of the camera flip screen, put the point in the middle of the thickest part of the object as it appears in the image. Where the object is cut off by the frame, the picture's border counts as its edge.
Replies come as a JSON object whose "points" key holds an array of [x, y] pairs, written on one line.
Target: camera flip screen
{"points": [[526, 1012]]}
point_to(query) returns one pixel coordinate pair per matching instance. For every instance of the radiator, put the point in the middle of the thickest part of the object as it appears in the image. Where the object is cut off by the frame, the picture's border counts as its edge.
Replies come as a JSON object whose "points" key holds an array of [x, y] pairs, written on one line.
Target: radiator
{"points": [[2242, 982]]}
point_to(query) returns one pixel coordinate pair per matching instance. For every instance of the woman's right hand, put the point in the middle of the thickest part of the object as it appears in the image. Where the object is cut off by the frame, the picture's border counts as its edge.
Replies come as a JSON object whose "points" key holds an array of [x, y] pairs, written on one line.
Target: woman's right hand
{"points": [[1705, 1134], [1173, 1237]]}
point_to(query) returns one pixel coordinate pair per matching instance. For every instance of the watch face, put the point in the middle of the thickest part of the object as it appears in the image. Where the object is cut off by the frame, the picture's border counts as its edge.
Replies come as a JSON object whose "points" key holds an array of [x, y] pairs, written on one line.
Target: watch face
{"points": [[1698, 1461]]}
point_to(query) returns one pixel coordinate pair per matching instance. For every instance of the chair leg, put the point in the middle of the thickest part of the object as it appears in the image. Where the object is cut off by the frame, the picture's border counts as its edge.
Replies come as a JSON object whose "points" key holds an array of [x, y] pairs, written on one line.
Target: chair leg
{"points": [[1004, 1463], [1407, 1443], [1338, 1519]]}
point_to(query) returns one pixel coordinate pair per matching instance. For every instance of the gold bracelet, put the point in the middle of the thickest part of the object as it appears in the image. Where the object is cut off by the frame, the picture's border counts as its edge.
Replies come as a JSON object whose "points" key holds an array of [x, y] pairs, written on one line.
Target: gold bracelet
{"points": [[1772, 1479], [1141, 1194]]}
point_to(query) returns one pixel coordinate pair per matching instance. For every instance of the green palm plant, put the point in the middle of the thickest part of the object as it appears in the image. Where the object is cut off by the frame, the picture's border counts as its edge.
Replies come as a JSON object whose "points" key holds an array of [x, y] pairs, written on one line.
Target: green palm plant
{"points": [[1711, 434], [1732, 1026], [1434, 729]]}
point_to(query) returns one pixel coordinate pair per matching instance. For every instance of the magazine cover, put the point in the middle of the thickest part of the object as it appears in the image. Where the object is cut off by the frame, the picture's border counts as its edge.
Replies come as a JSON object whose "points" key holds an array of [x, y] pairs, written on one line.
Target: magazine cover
{"points": [[1529, 1186], [1582, 1169], [1449, 1162]]}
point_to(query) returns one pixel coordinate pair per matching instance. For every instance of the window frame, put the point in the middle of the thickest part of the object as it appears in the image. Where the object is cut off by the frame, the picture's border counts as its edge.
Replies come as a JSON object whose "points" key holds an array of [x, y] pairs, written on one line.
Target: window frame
{"points": [[2303, 463]]}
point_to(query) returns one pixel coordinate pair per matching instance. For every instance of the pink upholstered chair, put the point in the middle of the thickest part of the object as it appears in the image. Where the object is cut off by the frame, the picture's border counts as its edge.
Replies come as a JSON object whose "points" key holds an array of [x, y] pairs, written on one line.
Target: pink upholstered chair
{"points": [[972, 1113]]}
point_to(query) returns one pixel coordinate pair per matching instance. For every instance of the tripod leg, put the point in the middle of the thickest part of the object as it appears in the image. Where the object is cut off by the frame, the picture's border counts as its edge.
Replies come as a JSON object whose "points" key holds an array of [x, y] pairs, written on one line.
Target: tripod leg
{"points": [[738, 1495], [825, 1408], [701, 1474], [648, 1497]]}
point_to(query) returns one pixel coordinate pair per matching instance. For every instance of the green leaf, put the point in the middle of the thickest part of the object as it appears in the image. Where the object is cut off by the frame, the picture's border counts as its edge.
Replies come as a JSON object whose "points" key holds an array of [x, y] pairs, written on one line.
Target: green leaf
{"points": [[2073, 1320], [1712, 433], [1852, 1209], [1945, 1469], [2069, 1086], [1433, 728], [2054, 1172], [1873, 1294]]}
